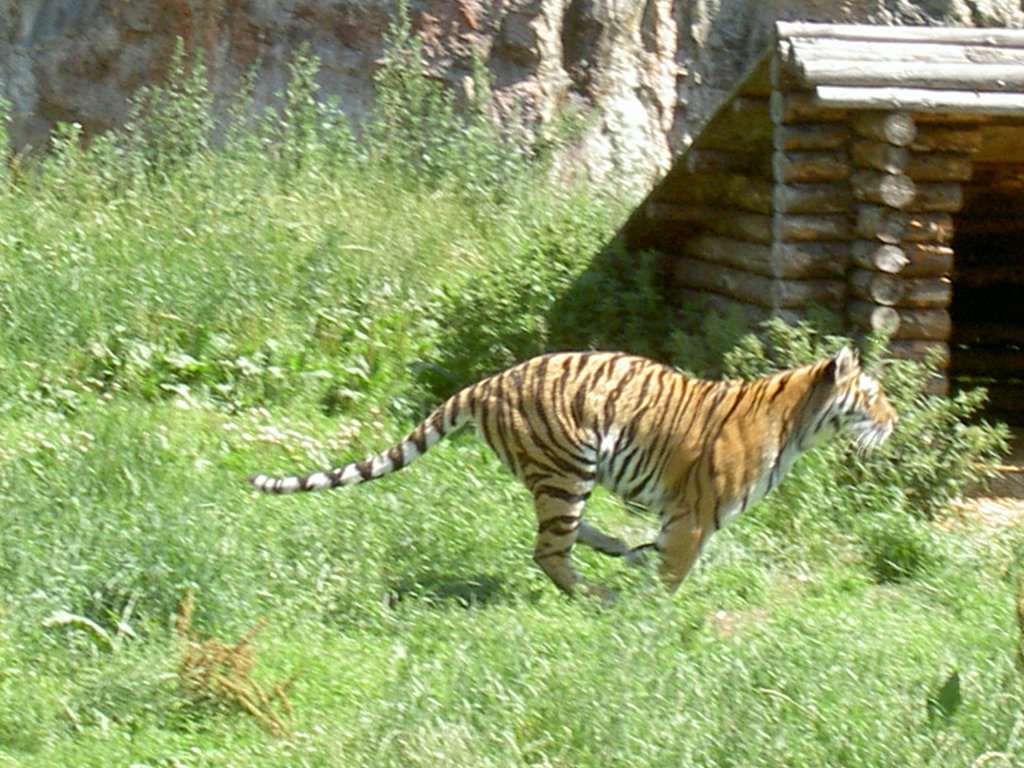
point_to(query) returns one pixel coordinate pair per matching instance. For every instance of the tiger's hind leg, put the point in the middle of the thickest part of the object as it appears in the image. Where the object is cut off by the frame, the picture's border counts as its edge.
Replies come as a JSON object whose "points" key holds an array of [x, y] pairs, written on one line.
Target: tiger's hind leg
{"points": [[558, 528], [610, 545]]}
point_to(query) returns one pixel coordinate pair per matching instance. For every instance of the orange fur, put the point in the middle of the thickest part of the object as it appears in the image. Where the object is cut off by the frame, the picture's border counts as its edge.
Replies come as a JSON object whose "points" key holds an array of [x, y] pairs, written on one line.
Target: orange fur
{"points": [[698, 452]]}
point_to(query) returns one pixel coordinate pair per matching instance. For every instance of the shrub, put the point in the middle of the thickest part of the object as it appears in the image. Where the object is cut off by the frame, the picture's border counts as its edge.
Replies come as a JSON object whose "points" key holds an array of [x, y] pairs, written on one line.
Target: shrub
{"points": [[416, 125], [620, 301], [885, 499], [512, 309], [897, 546], [171, 124], [617, 302], [936, 452]]}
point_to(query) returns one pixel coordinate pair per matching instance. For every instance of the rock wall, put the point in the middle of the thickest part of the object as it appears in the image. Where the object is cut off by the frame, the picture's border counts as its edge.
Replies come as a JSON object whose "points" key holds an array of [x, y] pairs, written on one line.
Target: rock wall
{"points": [[647, 73]]}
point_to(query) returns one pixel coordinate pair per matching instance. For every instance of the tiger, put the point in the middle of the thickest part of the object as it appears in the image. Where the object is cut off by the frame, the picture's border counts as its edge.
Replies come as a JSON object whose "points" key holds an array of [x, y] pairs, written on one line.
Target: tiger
{"points": [[697, 452]]}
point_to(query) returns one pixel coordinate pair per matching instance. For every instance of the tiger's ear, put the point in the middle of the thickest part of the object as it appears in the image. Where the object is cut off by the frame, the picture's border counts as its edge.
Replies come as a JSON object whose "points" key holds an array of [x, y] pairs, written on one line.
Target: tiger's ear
{"points": [[845, 364]]}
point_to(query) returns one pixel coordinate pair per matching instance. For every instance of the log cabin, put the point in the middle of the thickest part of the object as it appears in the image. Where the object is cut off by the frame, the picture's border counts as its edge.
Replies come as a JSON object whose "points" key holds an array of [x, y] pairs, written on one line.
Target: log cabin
{"points": [[876, 171]]}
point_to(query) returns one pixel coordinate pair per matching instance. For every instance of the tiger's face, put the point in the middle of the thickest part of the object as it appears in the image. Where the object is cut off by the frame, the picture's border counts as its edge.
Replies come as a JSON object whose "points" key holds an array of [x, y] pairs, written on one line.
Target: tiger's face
{"points": [[874, 420], [861, 403]]}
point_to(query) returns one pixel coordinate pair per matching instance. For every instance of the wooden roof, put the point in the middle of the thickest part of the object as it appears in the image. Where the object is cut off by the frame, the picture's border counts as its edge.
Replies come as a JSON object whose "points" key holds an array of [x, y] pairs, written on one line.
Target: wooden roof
{"points": [[918, 69]]}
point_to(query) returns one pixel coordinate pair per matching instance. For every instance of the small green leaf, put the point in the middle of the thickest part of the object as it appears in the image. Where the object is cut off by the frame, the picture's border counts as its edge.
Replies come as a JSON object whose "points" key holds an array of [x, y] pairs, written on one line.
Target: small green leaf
{"points": [[947, 699]]}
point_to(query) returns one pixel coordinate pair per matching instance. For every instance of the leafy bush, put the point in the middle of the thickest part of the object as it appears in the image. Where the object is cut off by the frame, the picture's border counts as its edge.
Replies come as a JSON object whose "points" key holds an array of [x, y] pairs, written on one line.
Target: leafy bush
{"points": [[897, 546], [170, 124], [255, 293], [513, 309], [936, 451], [416, 125], [618, 302]]}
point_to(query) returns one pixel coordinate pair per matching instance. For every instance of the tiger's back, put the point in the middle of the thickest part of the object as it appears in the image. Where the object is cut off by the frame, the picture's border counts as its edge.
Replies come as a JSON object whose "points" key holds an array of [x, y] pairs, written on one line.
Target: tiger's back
{"points": [[698, 452]]}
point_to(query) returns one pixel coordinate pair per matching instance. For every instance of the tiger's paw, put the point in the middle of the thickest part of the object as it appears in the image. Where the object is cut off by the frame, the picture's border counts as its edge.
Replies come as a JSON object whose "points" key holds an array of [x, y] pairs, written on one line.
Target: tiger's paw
{"points": [[605, 595], [638, 555]]}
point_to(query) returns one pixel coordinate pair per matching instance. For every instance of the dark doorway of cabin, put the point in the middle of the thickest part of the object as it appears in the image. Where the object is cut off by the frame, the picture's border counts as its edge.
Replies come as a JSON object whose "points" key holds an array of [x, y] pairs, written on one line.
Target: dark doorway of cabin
{"points": [[987, 344]]}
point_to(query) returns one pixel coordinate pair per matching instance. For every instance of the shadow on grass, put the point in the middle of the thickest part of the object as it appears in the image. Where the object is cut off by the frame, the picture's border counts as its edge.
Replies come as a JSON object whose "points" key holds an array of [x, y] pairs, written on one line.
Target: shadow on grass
{"points": [[620, 301], [628, 301], [468, 592]]}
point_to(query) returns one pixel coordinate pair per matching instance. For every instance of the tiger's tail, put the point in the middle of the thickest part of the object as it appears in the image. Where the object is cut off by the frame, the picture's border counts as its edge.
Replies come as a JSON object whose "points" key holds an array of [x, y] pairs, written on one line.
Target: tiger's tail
{"points": [[446, 418]]}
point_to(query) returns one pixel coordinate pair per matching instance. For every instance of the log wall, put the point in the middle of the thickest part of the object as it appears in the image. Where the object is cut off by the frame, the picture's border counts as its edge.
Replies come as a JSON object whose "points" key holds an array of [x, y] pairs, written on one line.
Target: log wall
{"points": [[908, 183], [810, 217], [767, 232], [782, 244], [854, 213]]}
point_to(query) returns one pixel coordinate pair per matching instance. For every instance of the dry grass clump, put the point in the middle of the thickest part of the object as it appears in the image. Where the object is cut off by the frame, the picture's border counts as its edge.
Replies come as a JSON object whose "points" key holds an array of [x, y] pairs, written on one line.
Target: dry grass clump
{"points": [[214, 673]]}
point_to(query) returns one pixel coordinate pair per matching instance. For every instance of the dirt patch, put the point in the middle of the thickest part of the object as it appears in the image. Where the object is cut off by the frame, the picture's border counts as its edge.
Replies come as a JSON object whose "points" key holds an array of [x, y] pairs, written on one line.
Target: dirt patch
{"points": [[1001, 503], [728, 624], [990, 511]]}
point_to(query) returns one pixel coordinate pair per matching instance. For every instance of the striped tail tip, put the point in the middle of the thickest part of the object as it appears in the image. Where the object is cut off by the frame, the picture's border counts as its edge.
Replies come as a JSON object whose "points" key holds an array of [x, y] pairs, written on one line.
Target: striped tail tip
{"points": [[317, 481], [266, 484], [377, 465]]}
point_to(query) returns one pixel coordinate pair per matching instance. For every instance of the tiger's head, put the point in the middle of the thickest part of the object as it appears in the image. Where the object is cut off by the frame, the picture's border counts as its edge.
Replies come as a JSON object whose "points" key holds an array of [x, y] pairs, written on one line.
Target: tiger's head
{"points": [[856, 401]]}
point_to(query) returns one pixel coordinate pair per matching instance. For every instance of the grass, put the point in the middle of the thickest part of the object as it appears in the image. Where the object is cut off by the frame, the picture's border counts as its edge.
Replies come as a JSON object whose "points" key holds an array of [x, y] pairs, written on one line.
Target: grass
{"points": [[418, 633], [171, 321]]}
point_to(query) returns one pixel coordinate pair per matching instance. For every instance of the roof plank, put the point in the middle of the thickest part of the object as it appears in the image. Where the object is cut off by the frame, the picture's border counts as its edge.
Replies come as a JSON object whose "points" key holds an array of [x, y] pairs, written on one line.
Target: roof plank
{"points": [[1011, 38], [906, 75], [810, 48], [921, 100]]}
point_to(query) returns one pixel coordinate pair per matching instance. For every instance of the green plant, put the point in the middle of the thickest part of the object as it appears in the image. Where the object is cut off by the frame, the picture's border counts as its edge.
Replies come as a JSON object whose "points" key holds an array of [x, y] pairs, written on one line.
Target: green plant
{"points": [[5, 140], [514, 309], [416, 124], [940, 448], [617, 302], [936, 452], [307, 132], [897, 546], [171, 124]]}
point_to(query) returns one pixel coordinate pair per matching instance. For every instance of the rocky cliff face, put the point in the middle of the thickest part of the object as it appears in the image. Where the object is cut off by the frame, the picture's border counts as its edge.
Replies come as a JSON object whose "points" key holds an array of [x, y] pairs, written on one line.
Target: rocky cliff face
{"points": [[647, 72]]}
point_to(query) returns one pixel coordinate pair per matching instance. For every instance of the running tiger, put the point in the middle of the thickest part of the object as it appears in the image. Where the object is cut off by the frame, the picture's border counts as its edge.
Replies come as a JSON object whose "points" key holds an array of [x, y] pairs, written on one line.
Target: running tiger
{"points": [[697, 452]]}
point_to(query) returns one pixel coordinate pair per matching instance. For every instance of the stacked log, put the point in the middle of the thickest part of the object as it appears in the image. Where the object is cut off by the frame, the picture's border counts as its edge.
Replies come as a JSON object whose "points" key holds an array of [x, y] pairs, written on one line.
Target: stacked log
{"points": [[795, 254], [724, 208], [737, 249], [721, 184], [882, 191], [907, 183]]}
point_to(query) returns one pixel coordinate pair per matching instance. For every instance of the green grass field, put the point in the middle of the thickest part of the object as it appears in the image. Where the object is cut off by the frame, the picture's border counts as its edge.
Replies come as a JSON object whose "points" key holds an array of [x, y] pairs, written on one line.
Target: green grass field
{"points": [[174, 317]]}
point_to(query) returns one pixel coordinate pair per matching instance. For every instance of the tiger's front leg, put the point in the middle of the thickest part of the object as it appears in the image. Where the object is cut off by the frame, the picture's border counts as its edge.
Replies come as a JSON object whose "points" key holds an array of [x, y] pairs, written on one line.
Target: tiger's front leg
{"points": [[679, 542]]}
